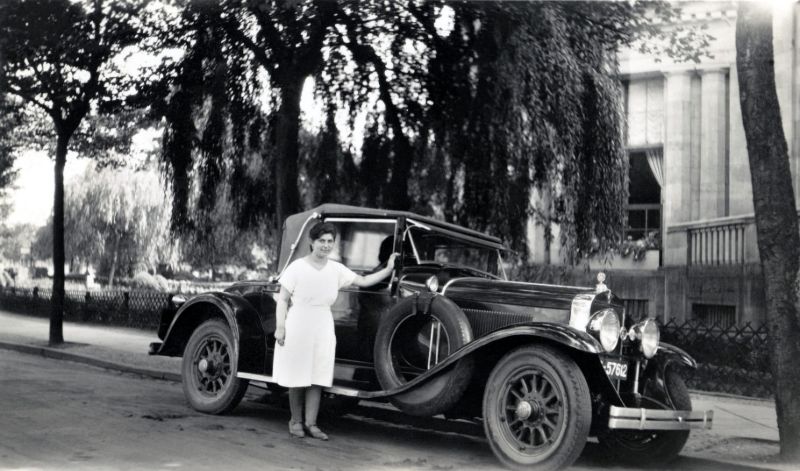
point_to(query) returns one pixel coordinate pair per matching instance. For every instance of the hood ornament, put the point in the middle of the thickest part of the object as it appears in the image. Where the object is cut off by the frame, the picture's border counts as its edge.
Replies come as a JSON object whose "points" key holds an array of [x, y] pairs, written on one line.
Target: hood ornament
{"points": [[601, 286]]}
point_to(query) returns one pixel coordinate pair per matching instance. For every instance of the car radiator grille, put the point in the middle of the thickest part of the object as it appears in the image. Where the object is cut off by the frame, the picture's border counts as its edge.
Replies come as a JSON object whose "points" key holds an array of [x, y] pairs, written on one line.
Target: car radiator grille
{"points": [[484, 321]]}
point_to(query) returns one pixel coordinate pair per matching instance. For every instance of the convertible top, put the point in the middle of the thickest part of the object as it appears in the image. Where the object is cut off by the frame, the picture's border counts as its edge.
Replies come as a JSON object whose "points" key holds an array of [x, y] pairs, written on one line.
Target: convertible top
{"points": [[294, 224]]}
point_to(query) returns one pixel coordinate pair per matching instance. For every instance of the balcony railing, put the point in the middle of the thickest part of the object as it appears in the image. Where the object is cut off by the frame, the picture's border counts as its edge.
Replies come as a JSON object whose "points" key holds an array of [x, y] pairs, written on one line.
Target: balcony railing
{"points": [[721, 241], [722, 244]]}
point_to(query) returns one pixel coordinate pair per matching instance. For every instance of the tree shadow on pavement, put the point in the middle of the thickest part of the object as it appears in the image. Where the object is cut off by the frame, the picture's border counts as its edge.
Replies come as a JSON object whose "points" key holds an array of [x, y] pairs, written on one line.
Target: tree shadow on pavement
{"points": [[594, 456]]}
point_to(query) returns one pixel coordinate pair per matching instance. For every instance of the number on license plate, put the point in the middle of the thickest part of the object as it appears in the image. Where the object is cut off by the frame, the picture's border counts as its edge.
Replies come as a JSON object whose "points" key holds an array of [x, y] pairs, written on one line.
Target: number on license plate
{"points": [[616, 369]]}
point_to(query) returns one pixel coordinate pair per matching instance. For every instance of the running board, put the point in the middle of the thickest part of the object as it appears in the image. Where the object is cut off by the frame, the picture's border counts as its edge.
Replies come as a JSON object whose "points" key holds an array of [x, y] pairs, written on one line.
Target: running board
{"points": [[656, 419], [339, 390]]}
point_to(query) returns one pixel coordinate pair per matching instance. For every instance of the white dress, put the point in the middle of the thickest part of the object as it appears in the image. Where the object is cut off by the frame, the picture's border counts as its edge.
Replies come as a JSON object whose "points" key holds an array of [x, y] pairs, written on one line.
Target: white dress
{"points": [[309, 349]]}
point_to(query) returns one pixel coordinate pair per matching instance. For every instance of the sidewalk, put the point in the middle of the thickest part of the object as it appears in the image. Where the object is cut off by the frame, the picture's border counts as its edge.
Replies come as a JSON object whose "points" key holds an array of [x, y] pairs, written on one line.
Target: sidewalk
{"points": [[115, 348], [125, 349]]}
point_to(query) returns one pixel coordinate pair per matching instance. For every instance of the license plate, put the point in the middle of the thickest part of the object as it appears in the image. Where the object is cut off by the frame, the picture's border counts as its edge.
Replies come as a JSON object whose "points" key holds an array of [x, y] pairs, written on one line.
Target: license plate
{"points": [[616, 369]]}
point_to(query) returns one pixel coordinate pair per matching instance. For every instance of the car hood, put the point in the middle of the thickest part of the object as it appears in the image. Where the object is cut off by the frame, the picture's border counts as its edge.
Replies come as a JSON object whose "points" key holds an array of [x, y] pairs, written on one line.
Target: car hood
{"points": [[487, 291]]}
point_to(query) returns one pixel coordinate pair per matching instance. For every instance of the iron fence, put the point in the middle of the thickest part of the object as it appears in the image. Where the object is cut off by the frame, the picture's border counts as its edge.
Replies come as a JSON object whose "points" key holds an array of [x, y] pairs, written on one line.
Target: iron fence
{"points": [[128, 308], [731, 359]]}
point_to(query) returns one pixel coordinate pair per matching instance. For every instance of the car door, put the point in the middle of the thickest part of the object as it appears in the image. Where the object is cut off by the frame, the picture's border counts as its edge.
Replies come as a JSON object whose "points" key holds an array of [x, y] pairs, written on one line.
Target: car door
{"points": [[357, 311]]}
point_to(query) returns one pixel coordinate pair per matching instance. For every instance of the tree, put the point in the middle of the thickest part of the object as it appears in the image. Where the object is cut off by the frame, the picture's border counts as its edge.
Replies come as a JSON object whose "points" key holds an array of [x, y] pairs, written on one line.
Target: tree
{"points": [[515, 95], [775, 212], [114, 216], [117, 215], [58, 60], [9, 120], [212, 101], [524, 95]]}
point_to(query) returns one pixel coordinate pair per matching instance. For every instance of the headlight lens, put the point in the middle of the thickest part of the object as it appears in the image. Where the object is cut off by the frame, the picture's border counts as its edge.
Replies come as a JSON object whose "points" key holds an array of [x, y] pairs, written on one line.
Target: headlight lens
{"points": [[648, 335], [178, 299], [433, 284], [606, 324]]}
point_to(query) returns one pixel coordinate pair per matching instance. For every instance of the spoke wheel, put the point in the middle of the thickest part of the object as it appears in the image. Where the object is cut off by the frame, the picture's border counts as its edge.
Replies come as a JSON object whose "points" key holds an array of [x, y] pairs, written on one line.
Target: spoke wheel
{"points": [[532, 404], [212, 362], [209, 369], [537, 409]]}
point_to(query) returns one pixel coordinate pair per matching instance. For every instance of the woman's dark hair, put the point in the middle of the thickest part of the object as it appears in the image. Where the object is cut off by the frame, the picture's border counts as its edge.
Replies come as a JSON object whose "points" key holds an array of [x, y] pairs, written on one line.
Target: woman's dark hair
{"points": [[320, 229]]}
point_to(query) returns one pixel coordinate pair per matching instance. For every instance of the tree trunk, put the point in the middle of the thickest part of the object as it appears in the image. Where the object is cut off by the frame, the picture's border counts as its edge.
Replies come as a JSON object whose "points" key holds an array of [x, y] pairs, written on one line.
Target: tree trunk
{"points": [[287, 197], [114, 258], [57, 306], [775, 212]]}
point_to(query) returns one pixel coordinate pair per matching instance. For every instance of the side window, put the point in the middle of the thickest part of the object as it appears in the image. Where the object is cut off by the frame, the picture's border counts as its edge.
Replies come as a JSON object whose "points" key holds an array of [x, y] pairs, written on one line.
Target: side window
{"points": [[359, 243]]}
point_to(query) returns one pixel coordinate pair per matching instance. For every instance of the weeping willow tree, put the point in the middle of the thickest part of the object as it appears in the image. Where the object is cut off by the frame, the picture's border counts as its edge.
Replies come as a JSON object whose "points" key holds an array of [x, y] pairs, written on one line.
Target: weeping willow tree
{"points": [[525, 97], [464, 122], [232, 108]]}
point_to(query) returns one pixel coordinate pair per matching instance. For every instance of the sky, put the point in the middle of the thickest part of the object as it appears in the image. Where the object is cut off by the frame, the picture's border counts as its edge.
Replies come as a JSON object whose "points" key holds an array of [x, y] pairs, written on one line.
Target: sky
{"points": [[32, 192]]}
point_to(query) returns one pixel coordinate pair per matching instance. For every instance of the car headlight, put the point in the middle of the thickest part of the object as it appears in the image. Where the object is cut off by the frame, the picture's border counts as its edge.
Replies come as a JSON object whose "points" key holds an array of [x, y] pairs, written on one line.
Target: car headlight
{"points": [[433, 284], [648, 335], [605, 324]]}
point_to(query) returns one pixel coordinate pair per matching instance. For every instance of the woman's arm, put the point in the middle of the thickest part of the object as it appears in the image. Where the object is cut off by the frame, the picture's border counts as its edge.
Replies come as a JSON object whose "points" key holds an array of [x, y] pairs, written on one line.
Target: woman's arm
{"points": [[280, 314], [371, 279]]}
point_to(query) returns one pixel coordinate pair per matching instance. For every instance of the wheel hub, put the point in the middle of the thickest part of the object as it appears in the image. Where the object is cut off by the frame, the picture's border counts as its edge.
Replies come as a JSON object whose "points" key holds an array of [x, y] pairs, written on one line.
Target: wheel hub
{"points": [[529, 410], [209, 366], [524, 410]]}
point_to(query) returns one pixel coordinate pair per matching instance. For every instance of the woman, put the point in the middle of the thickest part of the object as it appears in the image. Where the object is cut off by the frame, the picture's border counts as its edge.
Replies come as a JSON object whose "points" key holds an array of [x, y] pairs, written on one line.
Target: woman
{"points": [[305, 342]]}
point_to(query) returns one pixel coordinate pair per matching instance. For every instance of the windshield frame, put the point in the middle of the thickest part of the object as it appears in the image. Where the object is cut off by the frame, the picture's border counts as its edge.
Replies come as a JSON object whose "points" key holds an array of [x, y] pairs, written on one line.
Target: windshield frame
{"points": [[469, 240]]}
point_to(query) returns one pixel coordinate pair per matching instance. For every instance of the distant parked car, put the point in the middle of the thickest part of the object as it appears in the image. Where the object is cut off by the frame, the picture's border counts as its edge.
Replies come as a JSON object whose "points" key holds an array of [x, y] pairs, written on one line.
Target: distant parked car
{"points": [[543, 367]]}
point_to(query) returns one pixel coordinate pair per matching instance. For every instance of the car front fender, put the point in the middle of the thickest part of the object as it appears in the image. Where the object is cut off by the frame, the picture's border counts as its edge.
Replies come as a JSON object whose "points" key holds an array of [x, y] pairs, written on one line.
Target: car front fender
{"points": [[667, 356], [242, 318], [553, 333]]}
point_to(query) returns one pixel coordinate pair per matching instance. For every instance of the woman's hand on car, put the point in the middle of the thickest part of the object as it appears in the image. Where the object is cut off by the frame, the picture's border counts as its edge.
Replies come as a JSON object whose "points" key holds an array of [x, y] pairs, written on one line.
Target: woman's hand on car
{"points": [[391, 261], [280, 335]]}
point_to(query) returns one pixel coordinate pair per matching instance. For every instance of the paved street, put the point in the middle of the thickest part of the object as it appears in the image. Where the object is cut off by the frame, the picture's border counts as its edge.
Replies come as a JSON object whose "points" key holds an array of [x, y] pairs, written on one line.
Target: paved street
{"points": [[64, 415]]}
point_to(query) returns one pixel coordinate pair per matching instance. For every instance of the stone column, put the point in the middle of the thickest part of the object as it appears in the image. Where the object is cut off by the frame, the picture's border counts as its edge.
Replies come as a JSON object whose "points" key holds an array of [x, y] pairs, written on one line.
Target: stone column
{"points": [[713, 147], [741, 190], [677, 154], [677, 147]]}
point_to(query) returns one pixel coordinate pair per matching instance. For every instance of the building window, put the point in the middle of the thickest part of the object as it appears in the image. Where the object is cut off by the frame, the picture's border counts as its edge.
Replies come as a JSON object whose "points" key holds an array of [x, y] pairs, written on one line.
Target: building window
{"points": [[644, 201], [715, 314]]}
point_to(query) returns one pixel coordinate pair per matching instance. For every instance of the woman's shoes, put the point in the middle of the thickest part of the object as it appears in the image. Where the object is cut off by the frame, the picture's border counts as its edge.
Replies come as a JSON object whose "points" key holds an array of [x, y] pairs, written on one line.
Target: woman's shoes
{"points": [[296, 430], [315, 432]]}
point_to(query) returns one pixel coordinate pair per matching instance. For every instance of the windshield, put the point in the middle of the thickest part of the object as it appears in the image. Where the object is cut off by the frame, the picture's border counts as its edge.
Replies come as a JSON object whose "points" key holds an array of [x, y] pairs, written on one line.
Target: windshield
{"points": [[429, 246]]}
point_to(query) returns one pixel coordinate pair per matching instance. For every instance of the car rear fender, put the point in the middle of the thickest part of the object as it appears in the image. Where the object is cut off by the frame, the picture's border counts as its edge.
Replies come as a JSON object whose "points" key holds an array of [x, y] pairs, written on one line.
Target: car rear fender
{"points": [[242, 318]]}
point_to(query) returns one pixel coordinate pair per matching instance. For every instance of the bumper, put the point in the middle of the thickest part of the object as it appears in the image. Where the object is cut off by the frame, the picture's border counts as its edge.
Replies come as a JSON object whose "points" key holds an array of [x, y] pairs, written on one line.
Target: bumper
{"points": [[628, 418], [155, 347]]}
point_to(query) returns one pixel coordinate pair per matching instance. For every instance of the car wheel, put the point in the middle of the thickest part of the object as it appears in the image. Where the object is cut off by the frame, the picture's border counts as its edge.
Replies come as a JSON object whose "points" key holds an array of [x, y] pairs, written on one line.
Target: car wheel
{"points": [[646, 447], [209, 369], [537, 409], [409, 343]]}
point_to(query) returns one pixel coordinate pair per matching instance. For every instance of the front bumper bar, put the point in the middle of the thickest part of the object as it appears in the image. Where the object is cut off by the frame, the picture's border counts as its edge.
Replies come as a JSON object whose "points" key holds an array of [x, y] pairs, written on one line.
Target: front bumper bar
{"points": [[629, 418]]}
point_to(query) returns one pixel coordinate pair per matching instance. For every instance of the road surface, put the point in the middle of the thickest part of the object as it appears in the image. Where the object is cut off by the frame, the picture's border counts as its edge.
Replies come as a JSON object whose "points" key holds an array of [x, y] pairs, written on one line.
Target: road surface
{"points": [[63, 415]]}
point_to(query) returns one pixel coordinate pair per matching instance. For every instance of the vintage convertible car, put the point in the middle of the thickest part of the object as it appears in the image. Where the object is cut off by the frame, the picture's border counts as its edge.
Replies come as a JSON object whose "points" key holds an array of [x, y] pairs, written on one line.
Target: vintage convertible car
{"points": [[542, 366]]}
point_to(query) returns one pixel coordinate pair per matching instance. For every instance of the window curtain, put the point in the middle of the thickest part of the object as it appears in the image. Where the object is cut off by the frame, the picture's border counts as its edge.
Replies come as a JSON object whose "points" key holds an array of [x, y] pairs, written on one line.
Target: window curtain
{"points": [[655, 158]]}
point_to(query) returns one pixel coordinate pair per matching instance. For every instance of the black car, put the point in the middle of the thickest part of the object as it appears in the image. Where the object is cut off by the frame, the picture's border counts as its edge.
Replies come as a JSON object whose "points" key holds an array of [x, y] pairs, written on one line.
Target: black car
{"points": [[542, 366]]}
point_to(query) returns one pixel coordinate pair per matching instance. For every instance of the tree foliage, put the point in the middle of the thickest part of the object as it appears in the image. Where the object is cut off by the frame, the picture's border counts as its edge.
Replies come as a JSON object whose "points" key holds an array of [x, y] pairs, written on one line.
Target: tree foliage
{"points": [[116, 220], [58, 60], [513, 96]]}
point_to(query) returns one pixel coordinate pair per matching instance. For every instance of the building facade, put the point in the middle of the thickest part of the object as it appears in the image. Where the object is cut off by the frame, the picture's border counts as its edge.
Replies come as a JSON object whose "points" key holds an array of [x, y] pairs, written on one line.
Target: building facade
{"points": [[690, 178]]}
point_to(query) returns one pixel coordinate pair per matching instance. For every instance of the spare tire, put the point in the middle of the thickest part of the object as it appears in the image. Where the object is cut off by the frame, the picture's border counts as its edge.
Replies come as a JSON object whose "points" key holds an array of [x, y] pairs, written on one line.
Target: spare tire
{"points": [[406, 346]]}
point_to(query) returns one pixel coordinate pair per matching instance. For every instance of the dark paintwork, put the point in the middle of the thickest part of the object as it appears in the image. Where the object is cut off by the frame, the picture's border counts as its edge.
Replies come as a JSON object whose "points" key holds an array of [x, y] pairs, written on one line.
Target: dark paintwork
{"points": [[498, 311], [247, 326]]}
